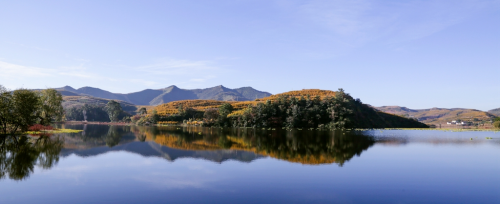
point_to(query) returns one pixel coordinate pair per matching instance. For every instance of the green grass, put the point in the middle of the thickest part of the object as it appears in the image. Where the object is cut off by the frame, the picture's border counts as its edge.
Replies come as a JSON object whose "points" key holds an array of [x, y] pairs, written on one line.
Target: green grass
{"points": [[56, 131]]}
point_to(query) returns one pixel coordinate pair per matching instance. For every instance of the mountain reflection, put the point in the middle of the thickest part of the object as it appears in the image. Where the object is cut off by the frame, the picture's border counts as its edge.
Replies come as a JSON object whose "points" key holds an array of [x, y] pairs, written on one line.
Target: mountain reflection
{"points": [[19, 155]]}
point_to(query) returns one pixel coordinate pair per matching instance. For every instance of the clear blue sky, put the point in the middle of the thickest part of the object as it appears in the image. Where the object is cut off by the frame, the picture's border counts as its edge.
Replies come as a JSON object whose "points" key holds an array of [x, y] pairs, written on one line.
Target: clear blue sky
{"points": [[414, 53]]}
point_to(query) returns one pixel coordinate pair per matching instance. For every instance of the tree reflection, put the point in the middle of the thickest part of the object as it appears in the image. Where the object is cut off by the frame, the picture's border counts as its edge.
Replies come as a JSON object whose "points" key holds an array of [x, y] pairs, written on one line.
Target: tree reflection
{"points": [[20, 154], [306, 147], [97, 135], [113, 136]]}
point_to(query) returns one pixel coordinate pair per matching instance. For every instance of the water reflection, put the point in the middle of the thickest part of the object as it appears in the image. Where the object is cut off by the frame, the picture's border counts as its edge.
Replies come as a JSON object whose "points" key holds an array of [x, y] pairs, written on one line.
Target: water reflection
{"points": [[306, 147], [97, 135], [218, 144], [19, 155], [396, 166]]}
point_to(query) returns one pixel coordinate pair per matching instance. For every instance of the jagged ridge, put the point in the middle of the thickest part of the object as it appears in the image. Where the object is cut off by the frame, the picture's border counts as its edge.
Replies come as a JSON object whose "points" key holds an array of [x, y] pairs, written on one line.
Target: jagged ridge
{"points": [[172, 93]]}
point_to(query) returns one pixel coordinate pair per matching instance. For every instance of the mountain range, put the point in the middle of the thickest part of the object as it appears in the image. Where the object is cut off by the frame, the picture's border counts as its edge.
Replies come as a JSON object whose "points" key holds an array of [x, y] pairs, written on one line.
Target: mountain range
{"points": [[155, 97], [441, 115]]}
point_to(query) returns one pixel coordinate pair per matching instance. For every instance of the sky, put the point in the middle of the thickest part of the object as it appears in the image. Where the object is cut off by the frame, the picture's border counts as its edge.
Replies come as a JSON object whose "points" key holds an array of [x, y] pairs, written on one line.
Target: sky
{"points": [[413, 53]]}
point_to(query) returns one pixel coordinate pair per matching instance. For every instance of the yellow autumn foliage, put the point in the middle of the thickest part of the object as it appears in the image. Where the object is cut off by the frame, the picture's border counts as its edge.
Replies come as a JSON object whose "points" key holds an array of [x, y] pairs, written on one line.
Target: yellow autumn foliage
{"points": [[238, 106]]}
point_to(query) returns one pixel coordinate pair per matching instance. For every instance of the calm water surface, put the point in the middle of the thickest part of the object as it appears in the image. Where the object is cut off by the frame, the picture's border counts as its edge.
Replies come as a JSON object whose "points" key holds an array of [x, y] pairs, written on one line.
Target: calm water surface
{"points": [[123, 164]]}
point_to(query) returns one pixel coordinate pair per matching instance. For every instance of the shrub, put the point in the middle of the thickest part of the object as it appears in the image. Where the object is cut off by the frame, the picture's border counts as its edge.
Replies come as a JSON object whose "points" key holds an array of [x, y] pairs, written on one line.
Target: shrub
{"points": [[496, 124], [144, 121], [38, 127], [135, 118]]}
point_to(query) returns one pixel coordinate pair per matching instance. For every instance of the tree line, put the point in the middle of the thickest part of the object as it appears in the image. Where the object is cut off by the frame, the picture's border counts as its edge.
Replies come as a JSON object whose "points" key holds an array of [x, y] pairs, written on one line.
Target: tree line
{"points": [[22, 108], [111, 112]]}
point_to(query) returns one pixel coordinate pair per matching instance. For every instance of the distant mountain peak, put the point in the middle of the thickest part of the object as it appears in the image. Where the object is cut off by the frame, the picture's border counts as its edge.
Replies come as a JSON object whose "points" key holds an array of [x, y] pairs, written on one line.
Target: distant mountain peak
{"points": [[171, 93], [66, 88], [170, 87], [88, 87]]}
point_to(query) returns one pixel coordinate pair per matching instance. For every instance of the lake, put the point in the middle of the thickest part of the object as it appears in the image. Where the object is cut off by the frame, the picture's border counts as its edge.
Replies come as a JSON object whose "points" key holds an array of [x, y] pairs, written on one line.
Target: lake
{"points": [[130, 164]]}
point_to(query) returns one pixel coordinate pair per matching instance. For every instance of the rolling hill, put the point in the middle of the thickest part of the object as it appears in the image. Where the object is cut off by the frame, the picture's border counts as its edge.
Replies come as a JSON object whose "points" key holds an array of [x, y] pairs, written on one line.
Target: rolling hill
{"points": [[77, 101], [495, 112], [364, 116], [438, 115], [202, 105], [172, 93]]}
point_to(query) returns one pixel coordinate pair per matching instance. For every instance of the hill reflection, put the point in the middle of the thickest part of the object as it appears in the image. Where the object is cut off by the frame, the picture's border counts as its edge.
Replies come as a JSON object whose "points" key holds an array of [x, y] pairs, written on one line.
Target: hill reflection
{"points": [[305, 147]]}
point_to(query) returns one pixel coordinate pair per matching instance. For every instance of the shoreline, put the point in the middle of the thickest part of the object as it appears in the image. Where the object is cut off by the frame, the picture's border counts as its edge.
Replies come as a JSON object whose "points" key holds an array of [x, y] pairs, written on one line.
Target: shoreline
{"points": [[96, 123]]}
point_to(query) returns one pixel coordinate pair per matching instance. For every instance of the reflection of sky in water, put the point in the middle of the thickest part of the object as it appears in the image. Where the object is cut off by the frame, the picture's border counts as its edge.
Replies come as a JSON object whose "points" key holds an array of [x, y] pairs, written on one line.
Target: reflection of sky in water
{"points": [[417, 172], [435, 137]]}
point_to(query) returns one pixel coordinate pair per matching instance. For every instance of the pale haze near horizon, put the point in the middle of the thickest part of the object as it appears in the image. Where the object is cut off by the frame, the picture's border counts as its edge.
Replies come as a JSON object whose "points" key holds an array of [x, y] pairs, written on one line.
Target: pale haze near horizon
{"points": [[417, 54]]}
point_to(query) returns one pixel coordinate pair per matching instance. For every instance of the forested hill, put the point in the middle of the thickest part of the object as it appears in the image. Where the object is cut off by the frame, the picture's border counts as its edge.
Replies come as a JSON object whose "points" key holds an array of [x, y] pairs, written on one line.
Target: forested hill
{"points": [[311, 108], [171, 93]]}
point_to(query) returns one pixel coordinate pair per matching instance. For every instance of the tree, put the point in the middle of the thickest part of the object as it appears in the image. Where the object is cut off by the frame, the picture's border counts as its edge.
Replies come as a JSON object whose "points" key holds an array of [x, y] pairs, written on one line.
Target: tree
{"points": [[25, 110], [113, 109], [180, 110], [51, 106], [224, 110], [210, 117], [135, 118], [6, 107], [143, 111], [496, 124], [154, 117], [340, 110]]}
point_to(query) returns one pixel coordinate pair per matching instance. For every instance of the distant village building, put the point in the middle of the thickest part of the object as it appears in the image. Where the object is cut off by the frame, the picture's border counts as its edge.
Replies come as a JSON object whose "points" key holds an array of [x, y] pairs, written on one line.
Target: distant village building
{"points": [[456, 123]]}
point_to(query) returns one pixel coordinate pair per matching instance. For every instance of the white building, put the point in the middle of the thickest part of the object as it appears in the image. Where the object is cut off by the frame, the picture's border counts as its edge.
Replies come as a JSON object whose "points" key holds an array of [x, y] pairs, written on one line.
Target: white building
{"points": [[455, 123]]}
